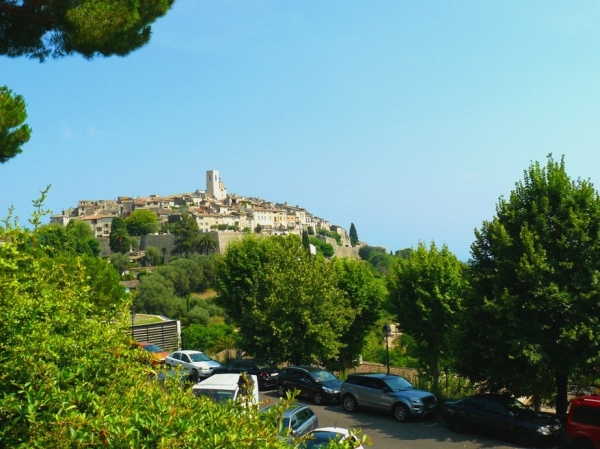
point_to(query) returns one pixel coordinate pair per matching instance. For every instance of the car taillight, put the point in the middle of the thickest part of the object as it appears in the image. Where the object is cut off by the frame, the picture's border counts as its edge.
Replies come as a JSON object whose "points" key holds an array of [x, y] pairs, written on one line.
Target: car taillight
{"points": [[263, 374]]}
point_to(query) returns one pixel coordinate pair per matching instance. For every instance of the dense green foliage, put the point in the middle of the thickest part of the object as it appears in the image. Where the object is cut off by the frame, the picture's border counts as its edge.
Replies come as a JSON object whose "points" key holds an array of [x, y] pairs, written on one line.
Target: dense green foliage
{"points": [[119, 240], [76, 238], [331, 234], [274, 291], [425, 294], [69, 378], [378, 258], [166, 291], [533, 319], [353, 235], [322, 247], [142, 222], [186, 232], [210, 338], [55, 28], [13, 130]]}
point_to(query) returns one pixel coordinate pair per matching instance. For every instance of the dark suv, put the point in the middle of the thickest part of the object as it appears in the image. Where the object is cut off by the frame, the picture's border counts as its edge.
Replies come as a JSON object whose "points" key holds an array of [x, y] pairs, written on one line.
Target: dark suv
{"points": [[312, 382], [387, 392], [583, 422]]}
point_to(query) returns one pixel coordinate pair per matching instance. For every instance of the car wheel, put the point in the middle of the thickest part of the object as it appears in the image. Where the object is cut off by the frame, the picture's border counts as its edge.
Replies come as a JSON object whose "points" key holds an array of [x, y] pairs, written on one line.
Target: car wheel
{"points": [[401, 413], [317, 398], [281, 391], [582, 443], [523, 437], [458, 424], [349, 404]]}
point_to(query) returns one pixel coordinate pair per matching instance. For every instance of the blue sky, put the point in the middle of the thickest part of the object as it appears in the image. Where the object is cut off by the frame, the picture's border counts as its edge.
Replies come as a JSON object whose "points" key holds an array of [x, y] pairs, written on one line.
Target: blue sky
{"points": [[409, 119]]}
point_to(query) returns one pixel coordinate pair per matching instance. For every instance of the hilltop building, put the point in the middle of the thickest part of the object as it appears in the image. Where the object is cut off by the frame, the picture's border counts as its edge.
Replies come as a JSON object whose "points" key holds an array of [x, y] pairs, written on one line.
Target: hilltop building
{"points": [[228, 215]]}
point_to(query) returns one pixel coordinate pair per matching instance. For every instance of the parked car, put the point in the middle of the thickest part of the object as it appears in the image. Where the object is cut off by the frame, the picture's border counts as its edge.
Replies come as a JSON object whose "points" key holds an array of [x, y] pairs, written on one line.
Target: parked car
{"points": [[265, 372], [158, 355], [387, 392], [501, 414], [321, 437], [193, 360], [296, 421], [583, 423], [229, 386], [312, 382]]}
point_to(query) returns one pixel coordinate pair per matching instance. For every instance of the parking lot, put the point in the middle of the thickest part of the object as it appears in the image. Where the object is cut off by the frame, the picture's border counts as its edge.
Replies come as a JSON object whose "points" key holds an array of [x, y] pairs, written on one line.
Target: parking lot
{"points": [[386, 433]]}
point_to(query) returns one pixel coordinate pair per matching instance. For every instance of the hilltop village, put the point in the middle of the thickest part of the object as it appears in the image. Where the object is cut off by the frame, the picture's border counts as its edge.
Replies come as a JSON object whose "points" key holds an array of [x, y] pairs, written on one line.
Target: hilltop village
{"points": [[226, 215]]}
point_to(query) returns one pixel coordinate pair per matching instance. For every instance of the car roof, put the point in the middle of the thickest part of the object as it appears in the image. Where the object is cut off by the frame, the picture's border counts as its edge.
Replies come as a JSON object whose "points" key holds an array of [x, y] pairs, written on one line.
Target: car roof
{"points": [[340, 430], [189, 351], [590, 399], [308, 368], [376, 375], [288, 411]]}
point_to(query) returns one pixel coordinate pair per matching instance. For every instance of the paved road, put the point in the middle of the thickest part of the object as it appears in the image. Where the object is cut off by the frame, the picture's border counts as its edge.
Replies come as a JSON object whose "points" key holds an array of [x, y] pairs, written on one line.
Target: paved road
{"points": [[386, 433]]}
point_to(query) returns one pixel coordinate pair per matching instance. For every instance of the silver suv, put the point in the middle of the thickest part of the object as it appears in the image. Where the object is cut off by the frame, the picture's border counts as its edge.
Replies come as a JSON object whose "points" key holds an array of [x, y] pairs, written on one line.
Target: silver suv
{"points": [[387, 392]]}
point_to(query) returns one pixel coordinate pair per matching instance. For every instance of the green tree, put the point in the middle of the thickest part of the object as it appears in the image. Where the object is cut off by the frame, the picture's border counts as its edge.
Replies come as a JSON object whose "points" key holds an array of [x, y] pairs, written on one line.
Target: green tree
{"points": [[322, 247], [82, 238], [305, 241], [13, 132], [152, 256], [186, 233], [274, 291], [119, 240], [365, 296], [121, 262], [258, 229], [353, 235], [534, 318], [207, 242], [53, 28], [142, 222], [425, 294]]}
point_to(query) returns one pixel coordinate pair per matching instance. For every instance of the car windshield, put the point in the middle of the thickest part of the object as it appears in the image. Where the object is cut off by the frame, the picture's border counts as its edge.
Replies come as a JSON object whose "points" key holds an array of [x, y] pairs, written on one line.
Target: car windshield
{"points": [[285, 426], [215, 395], [322, 376], [398, 383], [517, 408], [152, 348], [199, 357]]}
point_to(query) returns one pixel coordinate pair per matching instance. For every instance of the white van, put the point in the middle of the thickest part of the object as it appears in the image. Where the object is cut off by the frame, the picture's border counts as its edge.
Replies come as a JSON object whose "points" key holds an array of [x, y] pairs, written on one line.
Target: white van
{"points": [[234, 386]]}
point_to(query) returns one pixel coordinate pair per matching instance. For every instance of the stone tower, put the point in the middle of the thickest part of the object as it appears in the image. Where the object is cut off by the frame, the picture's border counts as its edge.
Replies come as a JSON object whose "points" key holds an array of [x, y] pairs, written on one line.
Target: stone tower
{"points": [[214, 186]]}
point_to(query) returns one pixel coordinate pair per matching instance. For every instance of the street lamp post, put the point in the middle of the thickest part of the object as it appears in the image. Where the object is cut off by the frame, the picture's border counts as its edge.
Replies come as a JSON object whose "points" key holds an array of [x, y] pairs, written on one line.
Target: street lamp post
{"points": [[387, 331]]}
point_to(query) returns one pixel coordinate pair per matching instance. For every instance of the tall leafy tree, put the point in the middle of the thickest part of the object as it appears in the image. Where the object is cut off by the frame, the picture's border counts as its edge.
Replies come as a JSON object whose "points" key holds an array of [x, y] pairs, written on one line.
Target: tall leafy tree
{"points": [[274, 291], [353, 235], [119, 239], [186, 233], [305, 241], [425, 294], [13, 131], [207, 242], [365, 296], [83, 238], [54, 28], [142, 222], [535, 268], [152, 256]]}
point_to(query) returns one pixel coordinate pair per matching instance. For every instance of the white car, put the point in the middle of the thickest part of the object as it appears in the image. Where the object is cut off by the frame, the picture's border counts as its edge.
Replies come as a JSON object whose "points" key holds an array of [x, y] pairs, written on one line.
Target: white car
{"points": [[224, 387], [320, 438], [196, 361]]}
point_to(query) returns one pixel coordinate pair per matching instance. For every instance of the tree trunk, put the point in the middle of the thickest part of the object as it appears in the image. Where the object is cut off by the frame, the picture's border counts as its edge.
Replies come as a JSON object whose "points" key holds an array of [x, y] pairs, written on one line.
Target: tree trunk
{"points": [[561, 394], [435, 373]]}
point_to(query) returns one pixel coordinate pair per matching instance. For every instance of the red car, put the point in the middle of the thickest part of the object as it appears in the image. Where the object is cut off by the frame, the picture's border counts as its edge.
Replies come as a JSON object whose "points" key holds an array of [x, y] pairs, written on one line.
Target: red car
{"points": [[583, 422], [158, 355]]}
